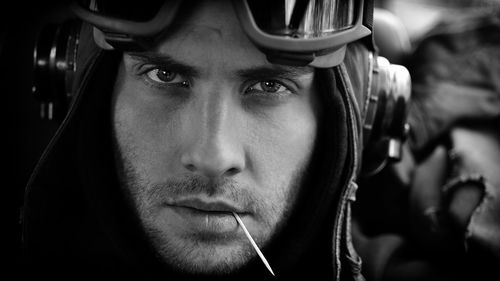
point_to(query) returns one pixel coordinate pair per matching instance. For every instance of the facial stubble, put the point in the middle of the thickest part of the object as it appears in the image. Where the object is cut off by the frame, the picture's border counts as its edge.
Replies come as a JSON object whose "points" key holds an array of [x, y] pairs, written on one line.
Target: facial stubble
{"points": [[146, 197]]}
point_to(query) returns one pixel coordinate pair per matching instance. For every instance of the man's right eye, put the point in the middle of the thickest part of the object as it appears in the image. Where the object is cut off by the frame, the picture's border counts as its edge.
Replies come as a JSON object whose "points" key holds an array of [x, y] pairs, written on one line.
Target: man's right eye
{"points": [[166, 77]]}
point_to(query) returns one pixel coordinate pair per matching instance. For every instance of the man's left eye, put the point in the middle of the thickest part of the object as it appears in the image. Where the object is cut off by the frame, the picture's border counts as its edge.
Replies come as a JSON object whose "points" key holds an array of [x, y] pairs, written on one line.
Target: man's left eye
{"points": [[269, 86]]}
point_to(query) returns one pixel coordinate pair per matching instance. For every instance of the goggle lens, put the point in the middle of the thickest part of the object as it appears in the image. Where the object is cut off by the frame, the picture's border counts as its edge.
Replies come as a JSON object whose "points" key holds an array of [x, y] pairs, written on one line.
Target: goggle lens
{"points": [[303, 18]]}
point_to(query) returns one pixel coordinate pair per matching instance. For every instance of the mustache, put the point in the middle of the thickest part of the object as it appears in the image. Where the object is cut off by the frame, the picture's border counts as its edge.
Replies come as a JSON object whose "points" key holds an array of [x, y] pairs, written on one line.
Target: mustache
{"points": [[198, 186]]}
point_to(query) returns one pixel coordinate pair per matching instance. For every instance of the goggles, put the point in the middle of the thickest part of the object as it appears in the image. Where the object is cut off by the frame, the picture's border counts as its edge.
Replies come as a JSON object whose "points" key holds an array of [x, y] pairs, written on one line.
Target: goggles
{"points": [[290, 32]]}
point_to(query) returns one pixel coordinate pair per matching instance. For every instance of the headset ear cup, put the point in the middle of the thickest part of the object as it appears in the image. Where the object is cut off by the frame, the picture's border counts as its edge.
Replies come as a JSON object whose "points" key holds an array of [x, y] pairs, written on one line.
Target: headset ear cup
{"points": [[54, 58], [385, 128]]}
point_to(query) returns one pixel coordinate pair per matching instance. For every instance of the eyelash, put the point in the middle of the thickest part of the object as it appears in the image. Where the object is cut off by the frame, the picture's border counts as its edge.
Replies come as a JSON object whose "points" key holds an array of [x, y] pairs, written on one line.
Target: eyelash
{"points": [[283, 88], [177, 81]]}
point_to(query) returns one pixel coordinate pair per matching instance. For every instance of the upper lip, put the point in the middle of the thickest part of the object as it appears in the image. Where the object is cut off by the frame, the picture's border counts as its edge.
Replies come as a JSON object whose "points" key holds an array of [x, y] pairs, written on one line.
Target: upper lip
{"points": [[208, 206]]}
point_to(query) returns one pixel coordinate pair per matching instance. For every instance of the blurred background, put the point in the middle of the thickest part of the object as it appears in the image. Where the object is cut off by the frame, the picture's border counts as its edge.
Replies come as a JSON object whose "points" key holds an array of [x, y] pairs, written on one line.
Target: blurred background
{"points": [[419, 16]]}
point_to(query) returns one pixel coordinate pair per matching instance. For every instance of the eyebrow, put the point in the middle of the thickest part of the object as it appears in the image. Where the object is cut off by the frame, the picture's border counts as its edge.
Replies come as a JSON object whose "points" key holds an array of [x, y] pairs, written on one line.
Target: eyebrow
{"points": [[251, 73], [166, 61], [280, 71]]}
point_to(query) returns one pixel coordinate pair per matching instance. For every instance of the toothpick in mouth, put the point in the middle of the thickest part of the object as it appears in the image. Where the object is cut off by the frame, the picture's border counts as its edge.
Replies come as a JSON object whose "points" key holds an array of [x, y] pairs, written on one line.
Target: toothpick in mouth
{"points": [[240, 222]]}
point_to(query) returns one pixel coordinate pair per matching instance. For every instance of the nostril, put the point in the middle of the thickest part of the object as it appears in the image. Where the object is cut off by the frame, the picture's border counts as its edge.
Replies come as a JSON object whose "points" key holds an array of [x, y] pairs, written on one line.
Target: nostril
{"points": [[190, 167], [232, 171], [210, 169]]}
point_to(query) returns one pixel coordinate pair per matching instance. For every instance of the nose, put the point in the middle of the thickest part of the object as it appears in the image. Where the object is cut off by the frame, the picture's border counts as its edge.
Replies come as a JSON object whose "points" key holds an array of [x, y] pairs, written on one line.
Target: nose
{"points": [[212, 147]]}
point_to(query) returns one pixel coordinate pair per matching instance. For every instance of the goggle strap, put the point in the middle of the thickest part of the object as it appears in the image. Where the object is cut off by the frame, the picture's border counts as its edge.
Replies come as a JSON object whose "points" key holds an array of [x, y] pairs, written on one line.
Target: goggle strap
{"points": [[326, 60], [119, 41]]}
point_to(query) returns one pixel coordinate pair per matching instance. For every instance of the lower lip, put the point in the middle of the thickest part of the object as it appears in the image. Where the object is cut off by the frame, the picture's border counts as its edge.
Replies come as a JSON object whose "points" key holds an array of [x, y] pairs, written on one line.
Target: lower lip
{"points": [[207, 222]]}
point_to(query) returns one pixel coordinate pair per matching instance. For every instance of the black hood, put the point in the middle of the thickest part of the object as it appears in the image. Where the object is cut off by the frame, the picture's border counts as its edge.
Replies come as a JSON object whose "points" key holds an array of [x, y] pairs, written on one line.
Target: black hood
{"points": [[76, 220]]}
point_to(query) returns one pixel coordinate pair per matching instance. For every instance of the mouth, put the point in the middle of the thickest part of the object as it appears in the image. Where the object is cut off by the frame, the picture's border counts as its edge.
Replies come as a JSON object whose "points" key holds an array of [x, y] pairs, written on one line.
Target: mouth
{"points": [[207, 217], [214, 207]]}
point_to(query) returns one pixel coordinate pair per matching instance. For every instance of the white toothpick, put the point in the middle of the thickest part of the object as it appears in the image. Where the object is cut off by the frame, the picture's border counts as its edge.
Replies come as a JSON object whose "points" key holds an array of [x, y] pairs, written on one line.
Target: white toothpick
{"points": [[253, 243]]}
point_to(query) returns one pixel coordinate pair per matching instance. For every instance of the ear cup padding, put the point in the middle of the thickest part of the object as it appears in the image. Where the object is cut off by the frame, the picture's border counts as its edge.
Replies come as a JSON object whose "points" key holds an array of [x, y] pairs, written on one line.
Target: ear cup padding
{"points": [[384, 134]]}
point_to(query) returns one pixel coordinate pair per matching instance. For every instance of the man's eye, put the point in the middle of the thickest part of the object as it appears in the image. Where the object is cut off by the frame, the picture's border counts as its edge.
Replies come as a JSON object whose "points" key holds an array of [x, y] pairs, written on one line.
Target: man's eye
{"points": [[165, 76], [269, 86]]}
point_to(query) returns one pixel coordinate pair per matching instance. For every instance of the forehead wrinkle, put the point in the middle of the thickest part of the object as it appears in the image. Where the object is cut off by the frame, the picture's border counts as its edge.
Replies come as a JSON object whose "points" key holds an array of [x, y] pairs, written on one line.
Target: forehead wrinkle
{"points": [[199, 32]]}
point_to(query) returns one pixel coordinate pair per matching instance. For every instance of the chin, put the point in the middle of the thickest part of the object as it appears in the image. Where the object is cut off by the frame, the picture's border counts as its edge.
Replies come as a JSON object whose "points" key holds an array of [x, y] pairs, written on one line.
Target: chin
{"points": [[208, 260]]}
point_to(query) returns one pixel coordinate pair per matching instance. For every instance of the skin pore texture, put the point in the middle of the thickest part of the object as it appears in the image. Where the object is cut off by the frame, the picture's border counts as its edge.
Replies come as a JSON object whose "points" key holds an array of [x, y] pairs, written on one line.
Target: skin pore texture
{"points": [[204, 126]]}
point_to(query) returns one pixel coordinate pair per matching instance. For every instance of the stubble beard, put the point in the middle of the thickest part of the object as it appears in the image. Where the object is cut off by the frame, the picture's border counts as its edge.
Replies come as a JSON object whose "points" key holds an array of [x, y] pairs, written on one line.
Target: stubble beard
{"points": [[143, 196]]}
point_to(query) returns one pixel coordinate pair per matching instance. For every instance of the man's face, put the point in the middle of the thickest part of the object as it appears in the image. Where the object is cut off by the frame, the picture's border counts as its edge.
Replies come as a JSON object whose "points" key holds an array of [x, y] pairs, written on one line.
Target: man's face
{"points": [[204, 127]]}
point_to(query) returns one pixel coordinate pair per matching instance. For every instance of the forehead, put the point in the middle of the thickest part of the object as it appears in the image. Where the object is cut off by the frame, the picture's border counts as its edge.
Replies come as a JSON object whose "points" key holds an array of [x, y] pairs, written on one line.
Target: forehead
{"points": [[216, 17], [210, 28]]}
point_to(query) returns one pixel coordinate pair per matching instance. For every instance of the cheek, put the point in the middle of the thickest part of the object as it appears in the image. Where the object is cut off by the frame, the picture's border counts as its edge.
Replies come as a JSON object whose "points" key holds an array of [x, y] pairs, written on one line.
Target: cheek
{"points": [[143, 129], [281, 149], [283, 143], [280, 154]]}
